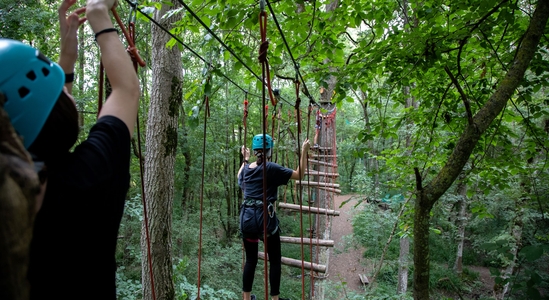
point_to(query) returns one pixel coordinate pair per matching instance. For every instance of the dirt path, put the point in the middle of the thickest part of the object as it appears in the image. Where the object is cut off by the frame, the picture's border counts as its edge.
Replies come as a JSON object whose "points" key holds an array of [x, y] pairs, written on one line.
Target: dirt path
{"points": [[345, 264]]}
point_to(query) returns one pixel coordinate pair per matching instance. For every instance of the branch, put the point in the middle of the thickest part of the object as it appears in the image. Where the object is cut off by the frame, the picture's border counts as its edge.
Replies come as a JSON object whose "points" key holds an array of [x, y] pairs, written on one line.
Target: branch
{"points": [[488, 14], [419, 184], [312, 24], [463, 96], [493, 107]]}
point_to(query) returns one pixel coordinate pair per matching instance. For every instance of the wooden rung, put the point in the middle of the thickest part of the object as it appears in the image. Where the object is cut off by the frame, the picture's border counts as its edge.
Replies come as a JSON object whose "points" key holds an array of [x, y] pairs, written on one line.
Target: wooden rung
{"points": [[324, 155], [316, 173], [313, 183], [363, 279], [329, 189], [298, 263], [317, 210], [321, 148], [318, 162], [297, 240]]}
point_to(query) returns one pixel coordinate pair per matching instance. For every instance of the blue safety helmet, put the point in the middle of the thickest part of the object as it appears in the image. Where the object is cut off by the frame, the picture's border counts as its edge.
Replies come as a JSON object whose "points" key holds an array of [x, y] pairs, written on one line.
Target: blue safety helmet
{"points": [[31, 84], [257, 142]]}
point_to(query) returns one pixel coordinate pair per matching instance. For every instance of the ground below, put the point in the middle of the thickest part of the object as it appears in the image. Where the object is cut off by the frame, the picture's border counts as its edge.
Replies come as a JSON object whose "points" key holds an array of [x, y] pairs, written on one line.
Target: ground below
{"points": [[345, 264]]}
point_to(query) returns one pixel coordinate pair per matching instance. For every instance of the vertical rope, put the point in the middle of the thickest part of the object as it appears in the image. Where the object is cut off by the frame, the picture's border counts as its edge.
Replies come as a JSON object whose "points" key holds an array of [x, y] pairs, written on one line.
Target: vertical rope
{"points": [[309, 193], [245, 123], [206, 116], [101, 82], [264, 73], [300, 194], [130, 37]]}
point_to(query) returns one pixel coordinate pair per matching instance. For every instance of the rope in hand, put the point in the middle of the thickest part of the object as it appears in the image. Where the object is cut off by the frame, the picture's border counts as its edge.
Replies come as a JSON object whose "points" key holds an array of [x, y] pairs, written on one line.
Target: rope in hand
{"points": [[131, 48]]}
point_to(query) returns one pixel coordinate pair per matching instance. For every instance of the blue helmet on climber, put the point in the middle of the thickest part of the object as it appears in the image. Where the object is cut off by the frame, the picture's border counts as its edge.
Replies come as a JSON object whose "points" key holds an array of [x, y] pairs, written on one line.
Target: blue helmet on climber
{"points": [[31, 84], [257, 142]]}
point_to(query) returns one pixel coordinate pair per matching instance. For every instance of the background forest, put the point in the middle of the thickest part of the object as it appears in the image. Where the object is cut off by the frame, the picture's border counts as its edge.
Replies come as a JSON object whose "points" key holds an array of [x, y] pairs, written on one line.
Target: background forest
{"points": [[442, 127]]}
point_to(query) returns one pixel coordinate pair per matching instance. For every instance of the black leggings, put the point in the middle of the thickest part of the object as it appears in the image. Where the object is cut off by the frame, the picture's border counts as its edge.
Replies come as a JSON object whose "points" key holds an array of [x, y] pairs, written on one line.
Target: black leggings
{"points": [[273, 249]]}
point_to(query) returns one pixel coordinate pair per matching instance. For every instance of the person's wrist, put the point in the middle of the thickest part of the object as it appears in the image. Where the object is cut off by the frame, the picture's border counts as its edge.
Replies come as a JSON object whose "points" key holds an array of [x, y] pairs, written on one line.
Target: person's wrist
{"points": [[69, 77], [98, 18]]}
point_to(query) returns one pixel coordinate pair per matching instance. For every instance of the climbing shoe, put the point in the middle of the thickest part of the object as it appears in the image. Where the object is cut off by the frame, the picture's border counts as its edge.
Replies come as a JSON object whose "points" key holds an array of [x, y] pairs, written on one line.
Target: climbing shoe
{"points": [[253, 297]]}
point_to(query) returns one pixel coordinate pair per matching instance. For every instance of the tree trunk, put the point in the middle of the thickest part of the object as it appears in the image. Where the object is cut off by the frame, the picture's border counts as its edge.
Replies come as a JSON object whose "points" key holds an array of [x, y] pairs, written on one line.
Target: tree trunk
{"points": [[402, 286], [516, 229], [161, 145], [462, 222], [428, 195]]}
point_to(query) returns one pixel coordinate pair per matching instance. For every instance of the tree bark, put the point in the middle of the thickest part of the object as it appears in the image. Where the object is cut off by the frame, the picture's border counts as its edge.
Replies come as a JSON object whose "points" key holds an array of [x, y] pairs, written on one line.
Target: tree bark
{"points": [[402, 286], [462, 222], [428, 195], [161, 145]]}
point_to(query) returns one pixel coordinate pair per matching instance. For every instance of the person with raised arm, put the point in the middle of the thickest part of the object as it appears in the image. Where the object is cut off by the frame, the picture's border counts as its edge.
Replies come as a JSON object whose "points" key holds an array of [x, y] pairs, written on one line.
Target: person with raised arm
{"points": [[250, 179], [72, 252]]}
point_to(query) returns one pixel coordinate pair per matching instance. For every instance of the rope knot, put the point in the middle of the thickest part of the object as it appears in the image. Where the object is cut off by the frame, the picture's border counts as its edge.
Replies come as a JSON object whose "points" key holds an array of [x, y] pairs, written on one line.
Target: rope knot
{"points": [[263, 51]]}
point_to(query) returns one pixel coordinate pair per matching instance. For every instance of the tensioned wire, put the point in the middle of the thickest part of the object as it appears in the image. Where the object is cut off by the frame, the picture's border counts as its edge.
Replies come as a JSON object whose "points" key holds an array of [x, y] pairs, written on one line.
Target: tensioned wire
{"points": [[200, 57]]}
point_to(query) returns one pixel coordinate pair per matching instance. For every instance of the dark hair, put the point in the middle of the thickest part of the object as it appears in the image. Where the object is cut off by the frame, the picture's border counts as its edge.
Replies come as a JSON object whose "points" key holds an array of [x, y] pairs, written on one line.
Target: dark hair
{"points": [[59, 133]]}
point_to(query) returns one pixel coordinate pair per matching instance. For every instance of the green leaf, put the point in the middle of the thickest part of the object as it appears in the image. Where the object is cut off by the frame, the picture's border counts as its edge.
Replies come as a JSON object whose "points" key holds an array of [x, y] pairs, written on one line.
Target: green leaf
{"points": [[489, 246], [208, 88], [531, 253]]}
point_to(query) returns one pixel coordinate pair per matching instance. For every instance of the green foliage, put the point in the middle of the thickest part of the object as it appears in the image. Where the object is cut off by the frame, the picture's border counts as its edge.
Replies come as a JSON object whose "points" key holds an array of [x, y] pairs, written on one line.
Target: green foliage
{"points": [[187, 290], [383, 55], [371, 229], [126, 288]]}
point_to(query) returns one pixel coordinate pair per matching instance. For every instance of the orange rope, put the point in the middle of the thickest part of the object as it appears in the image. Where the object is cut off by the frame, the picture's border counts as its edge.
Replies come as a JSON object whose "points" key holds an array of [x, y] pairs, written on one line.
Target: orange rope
{"points": [[263, 53], [132, 49]]}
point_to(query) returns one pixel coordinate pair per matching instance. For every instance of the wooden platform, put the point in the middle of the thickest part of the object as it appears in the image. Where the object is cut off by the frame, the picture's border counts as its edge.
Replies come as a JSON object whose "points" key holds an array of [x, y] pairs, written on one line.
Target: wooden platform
{"points": [[309, 209], [298, 263]]}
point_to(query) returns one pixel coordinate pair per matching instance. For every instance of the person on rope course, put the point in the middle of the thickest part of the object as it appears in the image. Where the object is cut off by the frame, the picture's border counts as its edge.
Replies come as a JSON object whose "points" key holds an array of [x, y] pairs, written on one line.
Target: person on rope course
{"points": [[318, 126], [250, 179], [72, 252]]}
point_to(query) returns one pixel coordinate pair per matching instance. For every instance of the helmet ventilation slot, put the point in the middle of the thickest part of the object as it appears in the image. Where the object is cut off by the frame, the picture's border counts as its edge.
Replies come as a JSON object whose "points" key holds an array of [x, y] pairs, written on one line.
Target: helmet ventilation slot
{"points": [[23, 92], [31, 75], [46, 72]]}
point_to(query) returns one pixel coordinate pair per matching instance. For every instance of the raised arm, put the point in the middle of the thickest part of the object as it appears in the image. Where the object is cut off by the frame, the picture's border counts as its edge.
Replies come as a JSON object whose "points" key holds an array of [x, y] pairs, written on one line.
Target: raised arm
{"points": [[246, 154], [123, 101], [298, 174], [68, 26]]}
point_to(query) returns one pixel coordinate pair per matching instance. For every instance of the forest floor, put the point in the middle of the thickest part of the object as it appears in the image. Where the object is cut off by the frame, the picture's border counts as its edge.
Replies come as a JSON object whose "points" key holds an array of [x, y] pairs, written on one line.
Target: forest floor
{"points": [[345, 263]]}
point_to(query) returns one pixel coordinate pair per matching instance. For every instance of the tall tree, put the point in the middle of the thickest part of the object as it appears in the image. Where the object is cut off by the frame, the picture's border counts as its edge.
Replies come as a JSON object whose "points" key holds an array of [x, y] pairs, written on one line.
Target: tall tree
{"points": [[161, 146], [428, 194]]}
